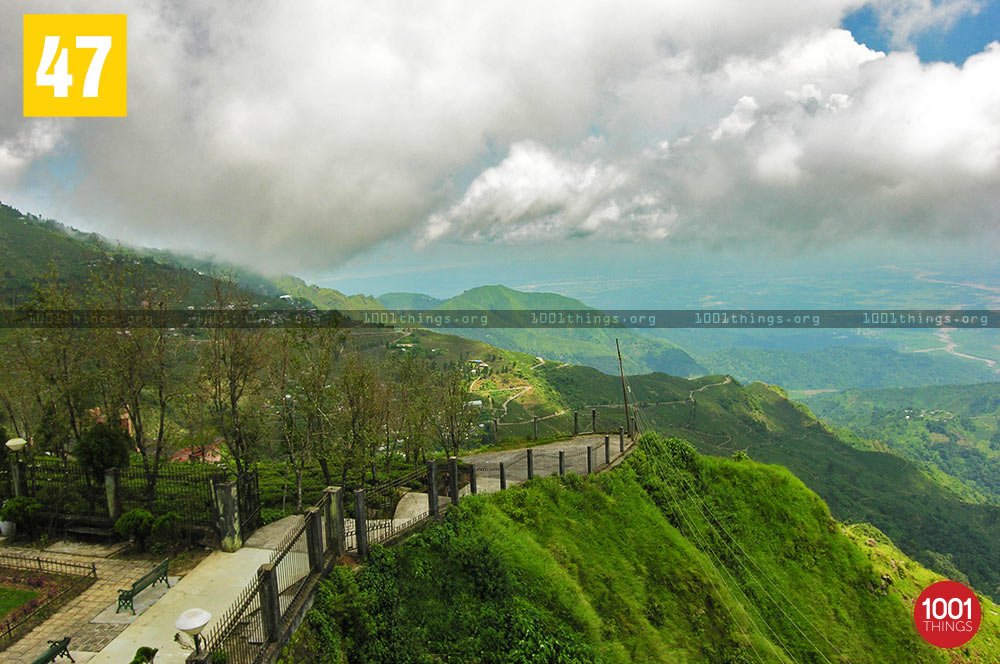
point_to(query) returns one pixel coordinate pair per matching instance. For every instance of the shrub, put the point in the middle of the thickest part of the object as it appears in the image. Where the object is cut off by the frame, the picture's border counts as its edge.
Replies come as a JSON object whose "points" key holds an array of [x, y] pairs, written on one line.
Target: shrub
{"points": [[144, 655], [136, 525], [167, 528], [102, 447], [20, 510]]}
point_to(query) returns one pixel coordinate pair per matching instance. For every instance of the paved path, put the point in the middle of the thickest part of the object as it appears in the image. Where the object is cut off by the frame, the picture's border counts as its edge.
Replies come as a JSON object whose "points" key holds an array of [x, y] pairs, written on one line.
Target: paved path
{"points": [[74, 618], [213, 585], [546, 460]]}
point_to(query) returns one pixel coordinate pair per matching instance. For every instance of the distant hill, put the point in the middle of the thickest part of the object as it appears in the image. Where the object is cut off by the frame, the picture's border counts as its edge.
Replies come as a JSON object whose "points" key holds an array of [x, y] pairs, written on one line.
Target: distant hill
{"points": [[956, 428], [408, 301], [844, 367], [31, 246], [593, 347]]}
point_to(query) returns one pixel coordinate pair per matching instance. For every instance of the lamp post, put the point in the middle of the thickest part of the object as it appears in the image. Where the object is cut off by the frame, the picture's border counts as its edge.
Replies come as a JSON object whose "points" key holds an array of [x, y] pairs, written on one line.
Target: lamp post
{"points": [[15, 445], [191, 622]]}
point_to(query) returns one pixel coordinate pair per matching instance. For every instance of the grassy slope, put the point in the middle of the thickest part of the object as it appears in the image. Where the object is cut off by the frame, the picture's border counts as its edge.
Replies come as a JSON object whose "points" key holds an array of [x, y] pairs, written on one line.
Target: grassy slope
{"points": [[613, 568], [926, 518]]}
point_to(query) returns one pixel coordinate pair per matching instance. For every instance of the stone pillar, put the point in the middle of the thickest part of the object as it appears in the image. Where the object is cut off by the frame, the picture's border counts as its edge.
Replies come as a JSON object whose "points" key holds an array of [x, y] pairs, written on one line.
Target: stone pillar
{"points": [[227, 516], [621, 439], [335, 536], [590, 460], [111, 490], [472, 479], [576, 422], [314, 539], [270, 608], [593, 420], [531, 463], [432, 490], [18, 475], [562, 463], [534, 428], [360, 523], [503, 476], [453, 479], [607, 449]]}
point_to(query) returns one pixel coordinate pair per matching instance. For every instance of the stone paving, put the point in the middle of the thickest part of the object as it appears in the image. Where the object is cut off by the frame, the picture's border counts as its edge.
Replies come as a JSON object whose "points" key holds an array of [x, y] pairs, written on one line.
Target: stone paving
{"points": [[73, 618]]}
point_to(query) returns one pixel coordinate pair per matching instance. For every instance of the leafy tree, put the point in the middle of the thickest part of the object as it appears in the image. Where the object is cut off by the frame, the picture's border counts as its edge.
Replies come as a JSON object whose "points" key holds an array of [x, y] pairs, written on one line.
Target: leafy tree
{"points": [[103, 446], [456, 418]]}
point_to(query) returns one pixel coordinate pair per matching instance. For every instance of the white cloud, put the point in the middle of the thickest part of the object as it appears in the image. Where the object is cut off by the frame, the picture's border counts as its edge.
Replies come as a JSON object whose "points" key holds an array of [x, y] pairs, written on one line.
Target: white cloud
{"points": [[292, 135], [905, 19]]}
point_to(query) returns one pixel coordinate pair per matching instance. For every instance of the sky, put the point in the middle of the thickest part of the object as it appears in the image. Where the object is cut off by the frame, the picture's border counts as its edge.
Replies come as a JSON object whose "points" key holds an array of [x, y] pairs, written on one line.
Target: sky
{"points": [[435, 146]]}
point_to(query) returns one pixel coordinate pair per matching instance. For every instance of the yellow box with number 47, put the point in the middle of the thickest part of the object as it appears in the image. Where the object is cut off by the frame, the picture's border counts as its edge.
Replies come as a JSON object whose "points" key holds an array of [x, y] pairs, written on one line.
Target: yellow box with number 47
{"points": [[74, 65]]}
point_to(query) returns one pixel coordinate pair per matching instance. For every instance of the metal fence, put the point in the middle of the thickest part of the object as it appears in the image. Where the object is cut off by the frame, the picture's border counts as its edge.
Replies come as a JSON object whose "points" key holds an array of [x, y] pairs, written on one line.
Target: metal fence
{"points": [[23, 619], [592, 419], [184, 489], [240, 634]]}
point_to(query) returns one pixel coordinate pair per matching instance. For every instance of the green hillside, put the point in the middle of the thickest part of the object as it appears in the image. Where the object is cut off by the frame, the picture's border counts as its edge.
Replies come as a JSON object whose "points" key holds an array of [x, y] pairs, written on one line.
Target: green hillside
{"points": [[31, 248], [929, 521], [844, 367], [955, 428], [408, 301], [324, 298], [590, 347], [672, 557]]}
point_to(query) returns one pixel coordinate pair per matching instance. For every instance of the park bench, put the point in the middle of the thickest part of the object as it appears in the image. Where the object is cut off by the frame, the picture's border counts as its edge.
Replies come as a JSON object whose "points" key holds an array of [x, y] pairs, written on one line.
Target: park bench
{"points": [[150, 578], [58, 648]]}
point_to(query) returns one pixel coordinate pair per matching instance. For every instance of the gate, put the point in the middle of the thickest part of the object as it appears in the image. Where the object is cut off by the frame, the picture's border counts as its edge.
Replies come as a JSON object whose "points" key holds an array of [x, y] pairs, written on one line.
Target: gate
{"points": [[248, 495]]}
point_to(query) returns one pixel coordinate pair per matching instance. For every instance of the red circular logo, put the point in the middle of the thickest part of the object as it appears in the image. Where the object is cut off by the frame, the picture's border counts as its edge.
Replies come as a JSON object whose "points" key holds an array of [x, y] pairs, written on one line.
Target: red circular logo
{"points": [[947, 614]]}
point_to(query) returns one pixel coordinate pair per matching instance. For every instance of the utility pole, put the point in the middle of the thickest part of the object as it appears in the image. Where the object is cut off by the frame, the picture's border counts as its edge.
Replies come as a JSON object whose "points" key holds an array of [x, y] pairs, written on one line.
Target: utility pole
{"points": [[628, 422]]}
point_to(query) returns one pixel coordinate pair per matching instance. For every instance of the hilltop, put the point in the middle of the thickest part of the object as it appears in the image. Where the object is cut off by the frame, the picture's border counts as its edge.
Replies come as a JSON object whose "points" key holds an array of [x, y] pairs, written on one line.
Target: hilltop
{"points": [[673, 557], [590, 346]]}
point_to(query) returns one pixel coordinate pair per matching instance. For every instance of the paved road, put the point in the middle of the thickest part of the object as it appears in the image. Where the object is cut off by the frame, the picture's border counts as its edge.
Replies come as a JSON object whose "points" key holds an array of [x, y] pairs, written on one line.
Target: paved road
{"points": [[546, 460]]}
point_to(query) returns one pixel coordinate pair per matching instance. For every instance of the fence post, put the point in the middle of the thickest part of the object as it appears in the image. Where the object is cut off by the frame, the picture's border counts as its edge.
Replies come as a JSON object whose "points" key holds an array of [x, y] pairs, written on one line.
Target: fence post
{"points": [[576, 422], [432, 490], [621, 439], [503, 477], [562, 463], [227, 516], [472, 479], [112, 477], [593, 420], [314, 539], [607, 449], [270, 606], [531, 463], [590, 459], [534, 428], [335, 537], [453, 479], [360, 523]]}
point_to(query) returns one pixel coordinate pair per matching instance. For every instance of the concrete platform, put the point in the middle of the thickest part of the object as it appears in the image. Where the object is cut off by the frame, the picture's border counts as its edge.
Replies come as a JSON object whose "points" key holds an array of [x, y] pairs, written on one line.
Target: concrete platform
{"points": [[213, 585]]}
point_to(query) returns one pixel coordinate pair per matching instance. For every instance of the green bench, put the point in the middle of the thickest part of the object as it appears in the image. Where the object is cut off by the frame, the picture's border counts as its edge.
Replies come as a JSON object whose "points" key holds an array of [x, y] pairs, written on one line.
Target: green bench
{"points": [[58, 648], [150, 578]]}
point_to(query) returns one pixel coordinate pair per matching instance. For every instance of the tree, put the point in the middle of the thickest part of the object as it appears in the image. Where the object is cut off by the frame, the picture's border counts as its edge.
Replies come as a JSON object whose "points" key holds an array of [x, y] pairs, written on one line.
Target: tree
{"points": [[456, 418], [356, 416], [231, 365], [138, 359], [103, 446]]}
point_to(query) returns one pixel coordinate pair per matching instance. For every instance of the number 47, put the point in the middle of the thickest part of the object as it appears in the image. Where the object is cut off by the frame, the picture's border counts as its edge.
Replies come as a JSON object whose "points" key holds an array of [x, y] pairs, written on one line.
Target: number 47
{"points": [[60, 79]]}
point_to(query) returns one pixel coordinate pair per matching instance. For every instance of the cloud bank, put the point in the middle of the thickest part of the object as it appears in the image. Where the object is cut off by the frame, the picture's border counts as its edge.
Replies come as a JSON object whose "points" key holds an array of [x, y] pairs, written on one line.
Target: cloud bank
{"points": [[293, 135]]}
